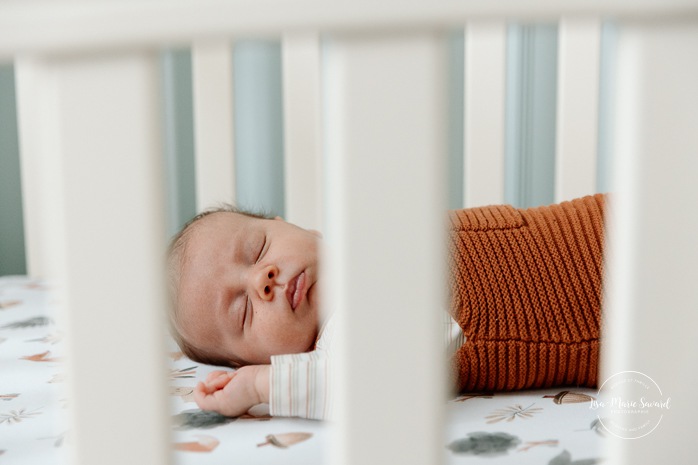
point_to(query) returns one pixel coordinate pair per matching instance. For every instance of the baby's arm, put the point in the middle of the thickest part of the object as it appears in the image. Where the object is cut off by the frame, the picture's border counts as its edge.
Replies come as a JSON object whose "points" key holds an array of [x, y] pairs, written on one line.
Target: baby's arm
{"points": [[294, 385], [234, 393]]}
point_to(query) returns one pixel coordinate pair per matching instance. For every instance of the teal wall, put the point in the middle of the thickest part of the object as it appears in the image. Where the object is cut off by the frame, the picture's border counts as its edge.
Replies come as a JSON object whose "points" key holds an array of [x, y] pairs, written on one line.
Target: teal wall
{"points": [[259, 134], [609, 37], [178, 133], [529, 161], [12, 260]]}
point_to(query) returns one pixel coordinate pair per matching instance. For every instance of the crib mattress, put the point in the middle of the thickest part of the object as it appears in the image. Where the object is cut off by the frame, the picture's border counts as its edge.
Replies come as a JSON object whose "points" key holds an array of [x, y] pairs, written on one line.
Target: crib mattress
{"points": [[548, 426]]}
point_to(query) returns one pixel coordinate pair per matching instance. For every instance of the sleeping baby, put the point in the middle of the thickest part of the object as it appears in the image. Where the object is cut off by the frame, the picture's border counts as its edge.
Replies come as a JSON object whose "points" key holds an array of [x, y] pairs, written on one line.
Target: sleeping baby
{"points": [[525, 304]]}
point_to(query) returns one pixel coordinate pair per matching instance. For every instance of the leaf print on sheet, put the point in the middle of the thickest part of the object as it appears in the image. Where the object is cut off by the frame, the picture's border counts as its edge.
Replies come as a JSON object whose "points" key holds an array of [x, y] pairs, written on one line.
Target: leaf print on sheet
{"points": [[512, 412], [472, 395], [285, 440], [197, 418], [183, 373], [29, 323], [597, 426], [58, 440], [203, 444], [42, 357], [565, 458], [485, 444], [52, 338], [185, 392], [531, 444], [38, 286], [5, 304], [16, 416], [569, 397]]}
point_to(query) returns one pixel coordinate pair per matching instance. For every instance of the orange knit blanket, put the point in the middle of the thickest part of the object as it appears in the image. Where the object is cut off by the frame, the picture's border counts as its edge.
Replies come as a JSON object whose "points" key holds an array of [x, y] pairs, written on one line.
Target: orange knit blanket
{"points": [[526, 290]]}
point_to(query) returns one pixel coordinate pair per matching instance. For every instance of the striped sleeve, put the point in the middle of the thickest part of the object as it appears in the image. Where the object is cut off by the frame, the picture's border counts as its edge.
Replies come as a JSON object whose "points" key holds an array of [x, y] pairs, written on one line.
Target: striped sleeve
{"points": [[300, 384], [453, 334]]}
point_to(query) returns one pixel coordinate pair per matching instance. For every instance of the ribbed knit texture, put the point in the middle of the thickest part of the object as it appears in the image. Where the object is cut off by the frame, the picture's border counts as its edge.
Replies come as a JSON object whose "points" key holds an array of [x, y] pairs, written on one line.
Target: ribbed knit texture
{"points": [[526, 289]]}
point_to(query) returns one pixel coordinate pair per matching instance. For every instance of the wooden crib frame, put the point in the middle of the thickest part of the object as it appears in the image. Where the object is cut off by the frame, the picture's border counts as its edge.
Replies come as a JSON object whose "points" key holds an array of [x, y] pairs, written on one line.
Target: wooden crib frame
{"points": [[94, 204]]}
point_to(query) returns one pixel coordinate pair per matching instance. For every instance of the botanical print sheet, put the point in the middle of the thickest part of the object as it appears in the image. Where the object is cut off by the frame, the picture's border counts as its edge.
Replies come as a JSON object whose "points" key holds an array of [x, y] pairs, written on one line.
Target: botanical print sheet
{"points": [[550, 426], [544, 426], [32, 404]]}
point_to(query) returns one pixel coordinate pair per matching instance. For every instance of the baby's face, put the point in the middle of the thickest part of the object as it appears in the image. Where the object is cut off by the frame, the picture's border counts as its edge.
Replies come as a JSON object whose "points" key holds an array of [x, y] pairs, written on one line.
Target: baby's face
{"points": [[248, 288]]}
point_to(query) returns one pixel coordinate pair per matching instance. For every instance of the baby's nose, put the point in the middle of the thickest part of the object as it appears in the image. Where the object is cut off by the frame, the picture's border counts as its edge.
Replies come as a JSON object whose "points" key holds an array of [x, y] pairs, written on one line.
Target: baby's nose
{"points": [[266, 280]]}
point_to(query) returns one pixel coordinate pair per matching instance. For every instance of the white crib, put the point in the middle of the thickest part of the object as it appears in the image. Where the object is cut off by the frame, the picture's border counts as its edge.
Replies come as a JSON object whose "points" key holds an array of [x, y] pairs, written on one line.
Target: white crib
{"points": [[377, 113]]}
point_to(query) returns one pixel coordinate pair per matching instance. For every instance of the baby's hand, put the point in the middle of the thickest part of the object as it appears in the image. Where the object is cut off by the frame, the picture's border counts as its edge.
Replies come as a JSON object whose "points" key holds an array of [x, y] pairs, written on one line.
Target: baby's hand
{"points": [[216, 380], [233, 393]]}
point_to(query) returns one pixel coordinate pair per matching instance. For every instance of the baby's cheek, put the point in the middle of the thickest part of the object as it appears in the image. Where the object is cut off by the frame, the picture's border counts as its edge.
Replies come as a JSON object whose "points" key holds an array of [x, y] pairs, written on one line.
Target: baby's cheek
{"points": [[305, 339], [288, 339]]}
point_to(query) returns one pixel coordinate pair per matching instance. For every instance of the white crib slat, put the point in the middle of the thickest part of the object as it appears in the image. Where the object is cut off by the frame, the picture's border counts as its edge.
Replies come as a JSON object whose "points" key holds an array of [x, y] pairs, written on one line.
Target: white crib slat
{"points": [[653, 299], [102, 135], [485, 67], [212, 73], [579, 52], [386, 140], [86, 25], [302, 151], [35, 171]]}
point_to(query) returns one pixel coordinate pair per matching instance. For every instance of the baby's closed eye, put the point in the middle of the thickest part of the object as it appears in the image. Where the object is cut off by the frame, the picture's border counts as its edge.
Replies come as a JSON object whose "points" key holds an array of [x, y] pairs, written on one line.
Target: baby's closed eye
{"points": [[261, 249]]}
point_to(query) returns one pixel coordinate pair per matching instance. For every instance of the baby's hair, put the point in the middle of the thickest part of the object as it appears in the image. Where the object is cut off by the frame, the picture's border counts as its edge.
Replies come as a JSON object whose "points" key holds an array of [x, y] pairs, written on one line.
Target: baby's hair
{"points": [[176, 253]]}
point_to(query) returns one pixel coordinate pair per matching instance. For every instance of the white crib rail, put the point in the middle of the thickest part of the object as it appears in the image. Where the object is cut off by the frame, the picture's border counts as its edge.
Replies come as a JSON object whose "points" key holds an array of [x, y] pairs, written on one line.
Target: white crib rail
{"points": [[579, 58], [212, 82], [37, 166], [655, 109], [83, 25], [386, 143], [302, 126], [653, 273], [103, 214], [485, 73]]}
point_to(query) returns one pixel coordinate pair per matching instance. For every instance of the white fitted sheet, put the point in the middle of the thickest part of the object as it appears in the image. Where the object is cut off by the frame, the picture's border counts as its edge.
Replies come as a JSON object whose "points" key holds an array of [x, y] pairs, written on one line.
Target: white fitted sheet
{"points": [[515, 427]]}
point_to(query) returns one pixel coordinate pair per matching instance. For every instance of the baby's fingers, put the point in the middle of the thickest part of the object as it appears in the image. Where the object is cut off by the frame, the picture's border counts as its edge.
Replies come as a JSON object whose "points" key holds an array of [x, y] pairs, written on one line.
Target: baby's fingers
{"points": [[204, 399], [201, 388], [220, 381], [205, 388], [215, 374]]}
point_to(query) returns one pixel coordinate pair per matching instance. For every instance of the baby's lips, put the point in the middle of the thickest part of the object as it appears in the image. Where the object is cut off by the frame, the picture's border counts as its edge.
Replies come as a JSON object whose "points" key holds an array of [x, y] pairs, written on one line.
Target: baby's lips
{"points": [[293, 288], [290, 290]]}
